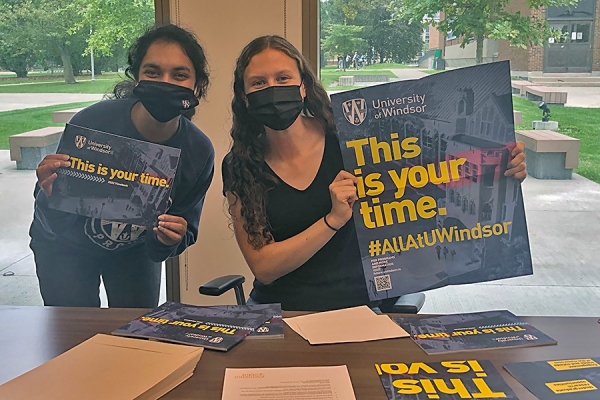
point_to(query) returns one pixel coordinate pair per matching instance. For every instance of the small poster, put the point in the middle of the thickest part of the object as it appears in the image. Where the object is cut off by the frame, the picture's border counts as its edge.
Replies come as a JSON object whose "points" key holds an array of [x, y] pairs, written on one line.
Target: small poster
{"points": [[113, 177], [445, 380], [571, 379]]}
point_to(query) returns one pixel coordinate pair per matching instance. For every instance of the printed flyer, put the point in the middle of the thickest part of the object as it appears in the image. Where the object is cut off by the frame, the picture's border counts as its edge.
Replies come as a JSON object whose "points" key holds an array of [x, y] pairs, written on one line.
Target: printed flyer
{"points": [[209, 327], [496, 329], [573, 379], [113, 177]]}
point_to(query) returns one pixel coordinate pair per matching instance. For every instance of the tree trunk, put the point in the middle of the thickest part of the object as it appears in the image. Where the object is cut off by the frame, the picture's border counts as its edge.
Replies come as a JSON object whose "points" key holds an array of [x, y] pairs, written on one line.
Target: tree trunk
{"points": [[65, 55], [479, 51], [20, 70]]}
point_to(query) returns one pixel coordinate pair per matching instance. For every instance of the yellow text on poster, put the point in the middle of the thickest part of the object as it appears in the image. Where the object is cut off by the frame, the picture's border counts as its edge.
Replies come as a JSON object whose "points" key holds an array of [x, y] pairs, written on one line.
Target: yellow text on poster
{"points": [[580, 385], [578, 363]]}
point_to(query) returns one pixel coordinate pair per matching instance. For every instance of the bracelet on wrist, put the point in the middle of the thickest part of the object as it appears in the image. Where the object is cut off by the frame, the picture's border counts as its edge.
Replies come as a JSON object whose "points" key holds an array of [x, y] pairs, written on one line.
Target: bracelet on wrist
{"points": [[327, 223]]}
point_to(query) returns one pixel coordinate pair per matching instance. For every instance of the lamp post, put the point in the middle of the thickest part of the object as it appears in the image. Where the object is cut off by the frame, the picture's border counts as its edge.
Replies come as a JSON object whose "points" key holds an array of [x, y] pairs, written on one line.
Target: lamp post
{"points": [[92, 56]]}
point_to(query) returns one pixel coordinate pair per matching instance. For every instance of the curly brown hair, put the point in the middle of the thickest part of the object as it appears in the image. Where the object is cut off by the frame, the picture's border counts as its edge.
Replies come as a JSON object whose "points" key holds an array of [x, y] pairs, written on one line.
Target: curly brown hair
{"points": [[248, 176]]}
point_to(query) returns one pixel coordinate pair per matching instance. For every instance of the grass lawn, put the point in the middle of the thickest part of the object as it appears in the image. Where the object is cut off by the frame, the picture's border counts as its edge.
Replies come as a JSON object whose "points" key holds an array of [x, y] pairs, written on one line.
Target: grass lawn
{"points": [[102, 86], [330, 75], [577, 122], [19, 121]]}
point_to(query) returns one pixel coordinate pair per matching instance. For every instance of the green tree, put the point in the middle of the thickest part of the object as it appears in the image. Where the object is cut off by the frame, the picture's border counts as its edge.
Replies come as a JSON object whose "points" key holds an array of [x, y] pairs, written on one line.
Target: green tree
{"points": [[342, 40], [17, 37], [476, 20], [55, 20], [383, 35], [116, 60], [112, 23], [330, 14], [350, 9], [55, 32], [392, 38]]}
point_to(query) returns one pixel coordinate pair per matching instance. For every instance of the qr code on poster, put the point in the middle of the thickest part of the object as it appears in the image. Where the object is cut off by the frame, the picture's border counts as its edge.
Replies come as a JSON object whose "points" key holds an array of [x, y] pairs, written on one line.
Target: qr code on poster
{"points": [[383, 282]]}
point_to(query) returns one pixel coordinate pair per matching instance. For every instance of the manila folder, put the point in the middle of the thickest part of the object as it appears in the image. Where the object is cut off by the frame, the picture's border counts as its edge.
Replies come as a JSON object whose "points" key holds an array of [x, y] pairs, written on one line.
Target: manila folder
{"points": [[107, 367]]}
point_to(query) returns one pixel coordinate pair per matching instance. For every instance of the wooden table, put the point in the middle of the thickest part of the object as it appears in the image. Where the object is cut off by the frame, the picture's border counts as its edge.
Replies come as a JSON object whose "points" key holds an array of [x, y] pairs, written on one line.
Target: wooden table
{"points": [[30, 336]]}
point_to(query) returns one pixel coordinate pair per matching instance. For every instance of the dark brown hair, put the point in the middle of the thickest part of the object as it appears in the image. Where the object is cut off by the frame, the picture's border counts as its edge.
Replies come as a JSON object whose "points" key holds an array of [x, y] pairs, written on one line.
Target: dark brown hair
{"points": [[247, 176], [168, 34]]}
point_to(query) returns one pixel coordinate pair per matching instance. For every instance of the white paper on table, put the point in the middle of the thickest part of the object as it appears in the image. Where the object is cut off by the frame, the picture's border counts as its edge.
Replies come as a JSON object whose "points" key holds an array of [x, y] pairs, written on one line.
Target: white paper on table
{"points": [[357, 324], [292, 323], [305, 383], [362, 312]]}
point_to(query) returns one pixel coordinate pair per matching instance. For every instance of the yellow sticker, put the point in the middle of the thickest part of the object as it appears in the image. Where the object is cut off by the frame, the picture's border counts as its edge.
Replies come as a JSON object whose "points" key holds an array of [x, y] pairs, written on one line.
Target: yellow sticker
{"points": [[580, 385], [578, 363]]}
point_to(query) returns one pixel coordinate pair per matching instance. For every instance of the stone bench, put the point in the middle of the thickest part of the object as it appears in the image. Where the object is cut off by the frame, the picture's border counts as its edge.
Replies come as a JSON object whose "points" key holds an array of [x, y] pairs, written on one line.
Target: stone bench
{"points": [[351, 80], [550, 155], [518, 117], [29, 148], [64, 116], [346, 80], [547, 94], [371, 78], [518, 87]]}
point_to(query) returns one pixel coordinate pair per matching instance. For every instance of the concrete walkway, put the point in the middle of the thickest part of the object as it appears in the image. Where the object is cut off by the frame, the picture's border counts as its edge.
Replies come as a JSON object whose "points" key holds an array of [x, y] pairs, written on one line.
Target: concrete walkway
{"points": [[18, 101], [563, 217], [588, 97], [408, 73]]}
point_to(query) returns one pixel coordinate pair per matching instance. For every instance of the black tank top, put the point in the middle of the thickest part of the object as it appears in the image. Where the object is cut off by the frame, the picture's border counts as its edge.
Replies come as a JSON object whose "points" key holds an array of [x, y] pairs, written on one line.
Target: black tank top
{"points": [[332, 278]]}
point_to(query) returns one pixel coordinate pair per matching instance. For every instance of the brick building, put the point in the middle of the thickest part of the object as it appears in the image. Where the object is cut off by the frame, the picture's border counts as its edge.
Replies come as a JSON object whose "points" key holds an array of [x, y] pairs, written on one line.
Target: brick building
{"points": [[577, 52]]}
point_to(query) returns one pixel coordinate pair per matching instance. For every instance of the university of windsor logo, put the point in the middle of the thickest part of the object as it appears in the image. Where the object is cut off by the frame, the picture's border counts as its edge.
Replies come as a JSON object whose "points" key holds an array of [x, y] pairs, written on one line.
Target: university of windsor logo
{"points": [[185, 104], [80, 141], [355, 111]]}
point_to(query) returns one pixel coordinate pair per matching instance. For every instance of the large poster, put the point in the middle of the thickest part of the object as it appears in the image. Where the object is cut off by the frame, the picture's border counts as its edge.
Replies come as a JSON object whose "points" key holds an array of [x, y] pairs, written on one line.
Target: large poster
{"points": [[434, 206], [113, 177]]}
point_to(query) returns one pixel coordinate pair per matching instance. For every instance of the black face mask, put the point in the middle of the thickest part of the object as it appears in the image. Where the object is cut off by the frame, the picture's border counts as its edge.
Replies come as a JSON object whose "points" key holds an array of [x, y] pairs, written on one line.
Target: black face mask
{"points": [[277, 106], [165, 101]]}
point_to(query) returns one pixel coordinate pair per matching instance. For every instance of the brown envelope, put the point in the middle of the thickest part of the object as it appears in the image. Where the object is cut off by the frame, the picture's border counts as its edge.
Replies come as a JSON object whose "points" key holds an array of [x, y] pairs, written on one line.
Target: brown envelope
{"points": [[107, 367]]}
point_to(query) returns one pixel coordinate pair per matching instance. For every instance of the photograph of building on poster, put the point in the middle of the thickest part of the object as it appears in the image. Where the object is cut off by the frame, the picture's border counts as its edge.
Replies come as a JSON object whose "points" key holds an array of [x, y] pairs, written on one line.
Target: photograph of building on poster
{"points": [[434, 206], [114, 178]]}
